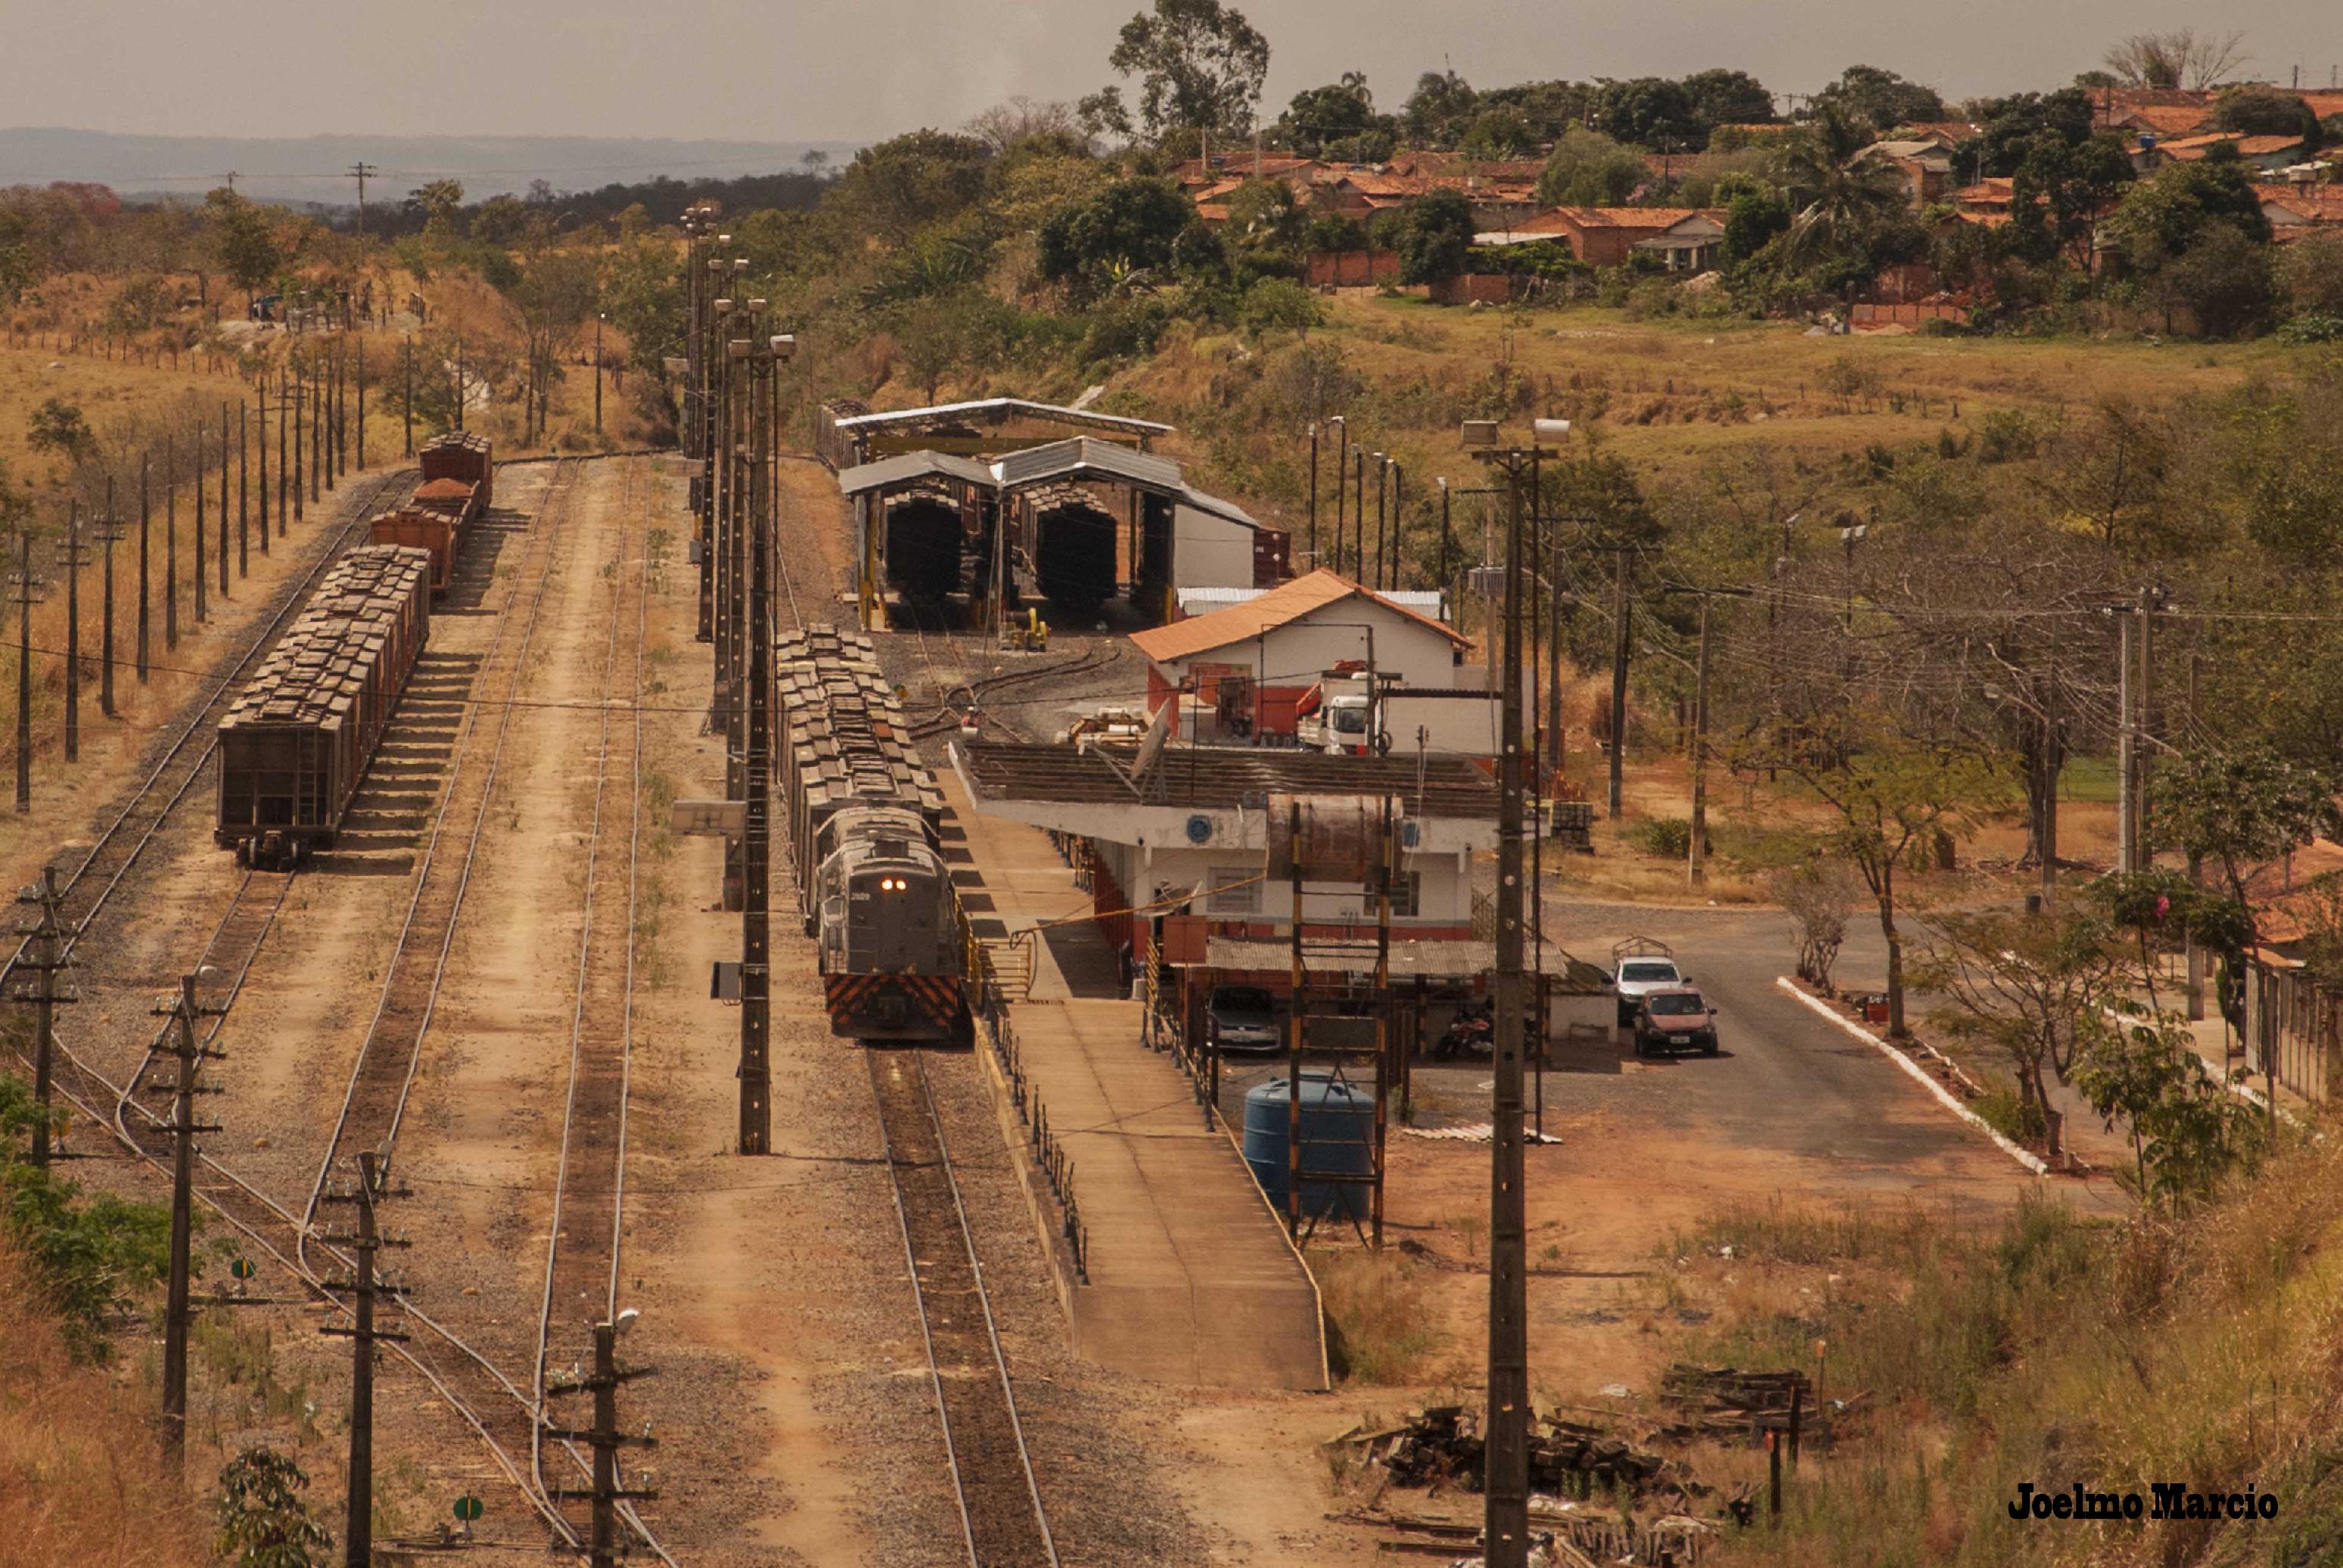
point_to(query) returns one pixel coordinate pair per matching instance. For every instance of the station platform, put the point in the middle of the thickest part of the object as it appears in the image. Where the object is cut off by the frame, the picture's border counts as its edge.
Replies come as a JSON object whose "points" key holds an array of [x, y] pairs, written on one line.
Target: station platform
{"points": [[1191, 1278]]}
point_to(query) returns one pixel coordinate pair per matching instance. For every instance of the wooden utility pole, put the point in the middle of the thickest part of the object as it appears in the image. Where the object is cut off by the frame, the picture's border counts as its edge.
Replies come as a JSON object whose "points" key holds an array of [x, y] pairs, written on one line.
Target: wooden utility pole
{"points": [[1341, 484], [37, 982], [223, 503], [300, 438], [1698, 854], [1313, 494], [109, 531], [2195, 879], [178, 1312], [1506, 1530], [2127, 808], [25, 584], [605, 1440], [406, 369], [358, 375], [364, 1286], [72, 630], [2051, 749], [171, 544], [199, 523], [599, 318], [362, 171], [244, 493], [1623, 627], [261, 455]]}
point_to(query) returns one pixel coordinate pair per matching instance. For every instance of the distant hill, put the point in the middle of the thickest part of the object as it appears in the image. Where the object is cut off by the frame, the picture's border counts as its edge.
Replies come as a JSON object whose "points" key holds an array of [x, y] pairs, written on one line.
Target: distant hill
{"points": [[314, 168]]}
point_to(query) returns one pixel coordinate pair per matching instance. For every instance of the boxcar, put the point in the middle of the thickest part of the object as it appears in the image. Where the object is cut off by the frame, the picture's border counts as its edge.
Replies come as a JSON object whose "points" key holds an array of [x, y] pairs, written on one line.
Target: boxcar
{"points": [[863, 813], [296, 743], [461, 455]]}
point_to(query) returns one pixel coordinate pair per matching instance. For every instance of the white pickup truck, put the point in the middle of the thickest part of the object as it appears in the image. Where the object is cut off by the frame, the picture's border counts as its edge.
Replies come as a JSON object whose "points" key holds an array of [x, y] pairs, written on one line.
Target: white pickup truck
{"points": [[1638, 975]]}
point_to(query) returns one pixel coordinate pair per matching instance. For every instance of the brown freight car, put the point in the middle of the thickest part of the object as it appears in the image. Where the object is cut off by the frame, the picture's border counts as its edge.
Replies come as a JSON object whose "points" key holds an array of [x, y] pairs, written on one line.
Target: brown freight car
{"points": [[434, 518], [296, 743], [461, 455]]}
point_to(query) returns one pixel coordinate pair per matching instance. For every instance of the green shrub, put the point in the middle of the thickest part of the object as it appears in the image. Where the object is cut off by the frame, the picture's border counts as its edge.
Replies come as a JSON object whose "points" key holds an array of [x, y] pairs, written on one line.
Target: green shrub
{"points": [[1670, 838]]}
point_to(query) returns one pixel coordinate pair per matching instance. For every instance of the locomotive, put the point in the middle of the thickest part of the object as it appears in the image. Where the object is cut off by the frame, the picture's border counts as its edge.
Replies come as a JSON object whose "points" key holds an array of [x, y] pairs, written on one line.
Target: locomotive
{"points": [[863, 814]]}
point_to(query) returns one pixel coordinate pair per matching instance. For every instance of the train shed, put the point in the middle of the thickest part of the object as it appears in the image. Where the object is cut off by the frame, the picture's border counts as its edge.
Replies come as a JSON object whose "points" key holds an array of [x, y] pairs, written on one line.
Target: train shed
{"points": [[1072, 519]]}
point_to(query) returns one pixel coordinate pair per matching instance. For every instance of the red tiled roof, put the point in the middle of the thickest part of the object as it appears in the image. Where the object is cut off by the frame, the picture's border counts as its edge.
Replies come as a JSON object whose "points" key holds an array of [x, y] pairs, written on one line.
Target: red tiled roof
{"points": [[1656, 219], [2189, 148], [2314, 204], [1281, 605], [2167, 120]]}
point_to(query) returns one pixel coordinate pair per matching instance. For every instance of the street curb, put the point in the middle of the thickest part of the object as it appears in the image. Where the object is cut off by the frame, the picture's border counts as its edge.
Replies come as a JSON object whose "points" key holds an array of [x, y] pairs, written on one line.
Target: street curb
{"points": [[2031, 1161]]}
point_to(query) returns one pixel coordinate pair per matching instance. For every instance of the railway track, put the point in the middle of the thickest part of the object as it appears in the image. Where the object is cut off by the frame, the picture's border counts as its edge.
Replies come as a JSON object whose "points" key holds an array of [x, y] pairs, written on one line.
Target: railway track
{"points": [[89, 888], [375, 1101], [1002, 1520], [582, 1249]]}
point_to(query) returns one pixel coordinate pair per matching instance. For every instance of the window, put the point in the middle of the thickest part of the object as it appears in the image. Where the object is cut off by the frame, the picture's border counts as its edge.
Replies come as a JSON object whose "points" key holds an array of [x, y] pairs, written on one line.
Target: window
{"points": [[1406, 896], [1647, 971], [1234, 900]]}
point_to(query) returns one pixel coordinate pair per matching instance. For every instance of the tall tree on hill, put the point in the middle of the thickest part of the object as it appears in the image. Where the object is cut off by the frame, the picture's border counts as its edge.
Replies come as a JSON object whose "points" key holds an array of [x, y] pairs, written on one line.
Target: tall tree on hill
{"points": [[243, 241], [1587, 168], [1880, 98], [1334, 113], [898, 186], [1839, 197], [1723, 98], [1433, 236], [2181, 58], [1199, 66], [1440, 110], [1649, 111]]}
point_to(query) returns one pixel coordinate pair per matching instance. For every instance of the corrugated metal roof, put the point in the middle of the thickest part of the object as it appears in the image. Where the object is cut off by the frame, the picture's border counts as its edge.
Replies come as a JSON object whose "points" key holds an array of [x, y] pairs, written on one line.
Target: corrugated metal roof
{"points": [[1080, 456], [889, 472], [1429, 602], [997, 409]]}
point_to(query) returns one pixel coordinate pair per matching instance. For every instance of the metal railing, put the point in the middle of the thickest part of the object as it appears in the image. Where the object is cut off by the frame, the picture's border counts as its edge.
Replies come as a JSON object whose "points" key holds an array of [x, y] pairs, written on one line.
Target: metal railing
{"points": [[988, 1006]]}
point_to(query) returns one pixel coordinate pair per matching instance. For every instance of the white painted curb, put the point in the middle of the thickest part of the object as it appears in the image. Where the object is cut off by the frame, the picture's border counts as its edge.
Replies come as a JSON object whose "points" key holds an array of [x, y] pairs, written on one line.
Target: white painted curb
{"points": [[1927, 1081]]}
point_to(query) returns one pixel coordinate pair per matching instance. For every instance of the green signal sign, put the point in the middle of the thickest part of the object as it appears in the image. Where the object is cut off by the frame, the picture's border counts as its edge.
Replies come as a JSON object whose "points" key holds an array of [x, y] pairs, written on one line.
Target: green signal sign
{"points": [[243, 1268], [467, 1508]]}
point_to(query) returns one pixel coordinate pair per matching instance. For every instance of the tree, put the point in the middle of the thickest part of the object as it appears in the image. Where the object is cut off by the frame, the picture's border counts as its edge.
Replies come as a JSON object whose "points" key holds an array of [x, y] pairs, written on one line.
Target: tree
{"points": [[1007, 126], [2032, 985], [1649, 111], [2060, 190], [2008, 129], [1277, 305], [438, 202], [264, 1520], [1440, 110], [1817, 894], [2162, 216], [2182, 58], [2223, 281], [243, 242], [2187, 1131], [895, 186], [2310, 272], [1752, 221], [1879, 100], [1588, 169], [60, 429], [1318, 116], [1199, 66], [1130, 225], [1722, 97], [551, 299], [1500, 133], [1433, 236], [1841, 198], [90, 1255], [2267, 112], [1264, 215], [1891, 800]]}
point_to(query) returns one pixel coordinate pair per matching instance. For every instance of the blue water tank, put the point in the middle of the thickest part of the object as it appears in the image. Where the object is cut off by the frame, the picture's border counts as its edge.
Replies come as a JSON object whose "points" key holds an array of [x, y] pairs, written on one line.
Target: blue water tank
{"points": [[1338, 1133]]}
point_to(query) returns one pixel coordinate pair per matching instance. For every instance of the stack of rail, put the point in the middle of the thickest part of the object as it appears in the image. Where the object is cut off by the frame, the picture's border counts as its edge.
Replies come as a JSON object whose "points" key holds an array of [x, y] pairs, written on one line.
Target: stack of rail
{"points": [[296, 743], [864, 814], [458, 482]]}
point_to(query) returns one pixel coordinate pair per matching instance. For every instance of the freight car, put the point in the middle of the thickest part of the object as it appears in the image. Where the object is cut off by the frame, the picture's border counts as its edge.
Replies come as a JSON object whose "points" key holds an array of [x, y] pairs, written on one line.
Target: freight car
{"points": [[924, 539], [464, 455], [294, 744], [863, 813], [1072, 547]]}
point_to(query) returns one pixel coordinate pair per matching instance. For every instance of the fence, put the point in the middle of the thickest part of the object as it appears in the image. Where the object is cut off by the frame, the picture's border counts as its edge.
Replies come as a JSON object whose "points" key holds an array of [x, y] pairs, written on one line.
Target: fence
{"points": [[1165, 1028], [2294, 1030], [988, 1006], [1353, 268]]}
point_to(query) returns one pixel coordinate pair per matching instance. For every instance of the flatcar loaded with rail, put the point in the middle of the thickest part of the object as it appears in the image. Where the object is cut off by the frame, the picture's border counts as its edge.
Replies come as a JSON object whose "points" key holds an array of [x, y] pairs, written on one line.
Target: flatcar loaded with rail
{"points": [[458, 478], [296, 743], [863, 815]]}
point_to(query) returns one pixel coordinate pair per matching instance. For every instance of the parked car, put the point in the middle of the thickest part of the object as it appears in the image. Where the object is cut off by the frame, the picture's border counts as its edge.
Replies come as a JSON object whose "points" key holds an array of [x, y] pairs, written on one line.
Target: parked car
{"points": [[1639, 975], [1677, 1018], [1242, 1018]]}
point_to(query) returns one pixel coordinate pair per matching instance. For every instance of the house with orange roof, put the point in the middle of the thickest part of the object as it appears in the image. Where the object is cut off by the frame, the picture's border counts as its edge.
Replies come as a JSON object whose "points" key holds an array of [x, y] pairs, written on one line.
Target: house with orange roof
{"points": [[1684, 239], [1922, 165], [1988, 202], [2269, 154], [1277, 648], [2298, 209]]}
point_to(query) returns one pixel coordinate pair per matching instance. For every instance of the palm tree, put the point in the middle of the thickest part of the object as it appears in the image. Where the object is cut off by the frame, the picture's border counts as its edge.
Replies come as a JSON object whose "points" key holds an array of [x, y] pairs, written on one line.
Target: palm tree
{"points": [[1838, 194]]}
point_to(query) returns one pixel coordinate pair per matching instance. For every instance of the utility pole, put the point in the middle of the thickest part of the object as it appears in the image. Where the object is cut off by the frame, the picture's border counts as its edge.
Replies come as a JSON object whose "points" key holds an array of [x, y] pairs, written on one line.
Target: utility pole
{"points": [[363, 1287], [1620, 643], [2051, 748], [191, 1054], [199, 524], [605, 1439], [2126, 748], [72, 630], [109, 530], [1447, 544], [145, 572], [1342, 482], [361, 171], [406, 369], [1313, 494], [243, 492], [223, 503], [358, 375], [599, 318], [1698, 854], [36, 982], [757, 842], [1506, 1530], [295, 382], [1359, 514], [2152, 599], [2196, 878], [24, 583], [171, 543]]}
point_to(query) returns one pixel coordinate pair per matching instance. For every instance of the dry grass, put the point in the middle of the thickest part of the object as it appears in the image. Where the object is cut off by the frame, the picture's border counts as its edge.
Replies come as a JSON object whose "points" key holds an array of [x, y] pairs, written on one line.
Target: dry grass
{"points": [[80, 1472], [1380, 1316]]}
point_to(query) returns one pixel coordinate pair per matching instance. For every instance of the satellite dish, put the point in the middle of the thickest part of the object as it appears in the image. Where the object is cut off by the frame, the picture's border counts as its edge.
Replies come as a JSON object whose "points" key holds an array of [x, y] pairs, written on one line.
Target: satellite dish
{"points": [[626, 1319]]}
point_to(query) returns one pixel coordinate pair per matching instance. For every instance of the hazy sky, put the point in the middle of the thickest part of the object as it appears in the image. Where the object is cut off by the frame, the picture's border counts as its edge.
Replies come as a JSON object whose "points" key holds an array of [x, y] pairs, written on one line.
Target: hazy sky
{"points": [[859, 69]]}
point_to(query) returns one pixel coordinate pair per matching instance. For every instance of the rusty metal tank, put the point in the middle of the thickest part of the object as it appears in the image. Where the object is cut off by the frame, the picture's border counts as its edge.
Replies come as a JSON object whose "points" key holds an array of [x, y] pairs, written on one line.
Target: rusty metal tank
{"points": [[1329, 837]]}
